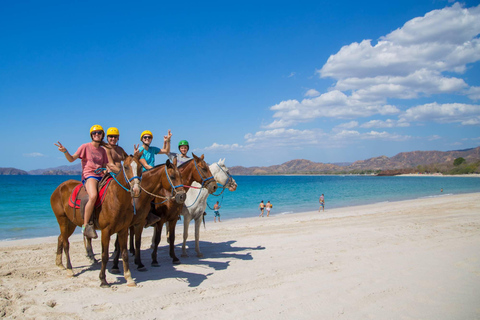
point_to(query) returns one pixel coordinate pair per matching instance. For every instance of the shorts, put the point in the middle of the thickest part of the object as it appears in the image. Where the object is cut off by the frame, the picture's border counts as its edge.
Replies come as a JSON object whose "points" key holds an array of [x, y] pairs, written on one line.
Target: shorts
{"points": [[217, 214], [91, 177]]}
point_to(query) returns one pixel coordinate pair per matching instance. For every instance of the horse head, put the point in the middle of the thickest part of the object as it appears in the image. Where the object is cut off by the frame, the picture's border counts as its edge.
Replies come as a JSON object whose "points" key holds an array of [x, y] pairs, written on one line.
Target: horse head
{"points": [[204, 174], [175, 181], [222, 175], [133, 173]]}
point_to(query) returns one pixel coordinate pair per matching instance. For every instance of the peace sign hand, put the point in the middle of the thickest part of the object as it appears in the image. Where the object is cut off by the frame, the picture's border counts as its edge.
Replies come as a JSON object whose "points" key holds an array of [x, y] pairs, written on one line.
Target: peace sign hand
{"points": [[61, 148]]}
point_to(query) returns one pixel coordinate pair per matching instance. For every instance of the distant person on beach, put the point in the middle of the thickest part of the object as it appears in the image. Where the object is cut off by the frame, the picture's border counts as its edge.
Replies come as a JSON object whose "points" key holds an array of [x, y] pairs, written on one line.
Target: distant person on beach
{"points": [[217, 213], [182, 157], [94, 157], [262, 207], [115, 153], [148, 157], [322, 203], [268, 206]]}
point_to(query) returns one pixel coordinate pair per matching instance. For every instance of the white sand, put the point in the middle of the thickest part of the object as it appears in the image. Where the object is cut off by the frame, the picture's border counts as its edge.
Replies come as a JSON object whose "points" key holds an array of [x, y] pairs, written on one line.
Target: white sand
{"points": [[416, 259]]}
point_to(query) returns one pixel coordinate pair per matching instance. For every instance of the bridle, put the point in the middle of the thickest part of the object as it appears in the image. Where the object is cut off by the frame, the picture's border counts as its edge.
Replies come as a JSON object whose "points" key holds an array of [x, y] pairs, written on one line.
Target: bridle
{"points": [[174, 191], [201, 176]]}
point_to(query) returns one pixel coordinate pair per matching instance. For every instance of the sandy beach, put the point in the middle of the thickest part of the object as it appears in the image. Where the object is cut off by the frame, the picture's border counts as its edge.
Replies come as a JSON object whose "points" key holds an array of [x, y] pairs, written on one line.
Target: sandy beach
{"points": [[416, 259]]}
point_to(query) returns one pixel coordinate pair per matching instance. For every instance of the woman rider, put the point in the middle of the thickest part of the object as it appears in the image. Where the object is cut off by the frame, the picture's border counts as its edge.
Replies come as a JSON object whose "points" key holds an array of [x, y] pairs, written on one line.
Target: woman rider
{"points": [[148, 157], [93, 157], [182, 157]]}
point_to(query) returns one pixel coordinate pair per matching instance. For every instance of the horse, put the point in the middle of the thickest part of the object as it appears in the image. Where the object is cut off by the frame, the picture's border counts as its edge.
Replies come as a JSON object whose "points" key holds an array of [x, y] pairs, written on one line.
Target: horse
{"points": [[193, 170], [196, 203], [163, 179], [114, 215]]}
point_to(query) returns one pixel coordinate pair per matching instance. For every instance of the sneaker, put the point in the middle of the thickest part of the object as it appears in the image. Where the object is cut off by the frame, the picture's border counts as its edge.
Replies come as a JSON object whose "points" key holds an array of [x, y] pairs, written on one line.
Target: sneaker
{"points": [[90, 232]]}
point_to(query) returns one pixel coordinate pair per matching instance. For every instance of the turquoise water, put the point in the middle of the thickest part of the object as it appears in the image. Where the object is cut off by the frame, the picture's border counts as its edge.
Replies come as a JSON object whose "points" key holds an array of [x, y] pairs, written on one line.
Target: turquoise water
{"points": [[25, 201]]}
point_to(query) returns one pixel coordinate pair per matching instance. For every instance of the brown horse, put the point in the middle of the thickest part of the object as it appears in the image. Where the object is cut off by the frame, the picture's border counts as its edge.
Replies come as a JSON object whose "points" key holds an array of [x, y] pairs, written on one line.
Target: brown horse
{"points": [[193, 170], [114, 215], [165, 180]]}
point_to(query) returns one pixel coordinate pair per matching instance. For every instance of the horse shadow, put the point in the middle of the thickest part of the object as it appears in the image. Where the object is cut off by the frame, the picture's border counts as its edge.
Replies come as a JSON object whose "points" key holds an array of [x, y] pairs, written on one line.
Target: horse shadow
{"points": [[167, 270]]}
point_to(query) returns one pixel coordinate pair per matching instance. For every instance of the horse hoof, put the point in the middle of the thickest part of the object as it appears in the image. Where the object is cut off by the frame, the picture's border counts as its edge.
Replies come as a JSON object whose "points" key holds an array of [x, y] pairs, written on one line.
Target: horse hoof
{"points": [[142, 269], [176, 262], [115, 271], [184, 255], [70, 273], [105, 285], [200, 255], [155, 265], [131, 284]]}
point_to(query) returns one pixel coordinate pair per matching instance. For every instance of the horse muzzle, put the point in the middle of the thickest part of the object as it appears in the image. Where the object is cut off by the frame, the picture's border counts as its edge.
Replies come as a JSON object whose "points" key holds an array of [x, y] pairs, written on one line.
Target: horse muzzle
{"points": [[211, 186], [135, 190], [180, 197]]}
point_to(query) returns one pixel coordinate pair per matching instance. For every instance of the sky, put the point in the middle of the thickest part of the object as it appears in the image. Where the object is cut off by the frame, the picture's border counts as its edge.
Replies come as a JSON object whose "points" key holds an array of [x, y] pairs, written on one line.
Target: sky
{"points": [[258, 83]]}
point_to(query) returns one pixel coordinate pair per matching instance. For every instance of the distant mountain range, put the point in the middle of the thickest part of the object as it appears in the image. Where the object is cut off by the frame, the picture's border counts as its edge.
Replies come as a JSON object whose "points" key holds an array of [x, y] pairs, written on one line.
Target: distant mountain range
{"points": [[401, 161]]}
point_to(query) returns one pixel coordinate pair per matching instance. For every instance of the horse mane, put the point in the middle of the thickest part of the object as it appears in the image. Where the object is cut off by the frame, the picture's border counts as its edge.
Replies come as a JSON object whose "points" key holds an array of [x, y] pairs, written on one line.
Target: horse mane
{"points": [[185, 163]]}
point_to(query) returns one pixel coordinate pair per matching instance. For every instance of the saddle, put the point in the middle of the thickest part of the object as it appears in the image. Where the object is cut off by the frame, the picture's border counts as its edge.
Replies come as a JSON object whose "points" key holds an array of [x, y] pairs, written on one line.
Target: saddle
{"points": [[79, 198]]}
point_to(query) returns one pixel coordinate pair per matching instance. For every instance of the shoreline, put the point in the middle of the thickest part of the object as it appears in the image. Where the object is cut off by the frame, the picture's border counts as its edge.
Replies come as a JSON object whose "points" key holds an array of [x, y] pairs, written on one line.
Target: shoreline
{"points": [[179, 229], [414, 258]]}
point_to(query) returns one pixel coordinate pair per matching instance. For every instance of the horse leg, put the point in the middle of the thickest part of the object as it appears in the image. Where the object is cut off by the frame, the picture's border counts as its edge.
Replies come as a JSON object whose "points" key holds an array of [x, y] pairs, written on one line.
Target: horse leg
{"points": [[88, 247], [156, 241], [66, 230], [122, 238], [186, 222], [132, 244], [105, 244], [198, 223], [116, 256], [138, 245], [171, 237]]}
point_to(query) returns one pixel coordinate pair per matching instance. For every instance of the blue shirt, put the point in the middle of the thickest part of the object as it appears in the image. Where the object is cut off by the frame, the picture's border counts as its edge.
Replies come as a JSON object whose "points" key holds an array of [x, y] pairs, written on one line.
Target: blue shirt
{"points": [[149, 155]]}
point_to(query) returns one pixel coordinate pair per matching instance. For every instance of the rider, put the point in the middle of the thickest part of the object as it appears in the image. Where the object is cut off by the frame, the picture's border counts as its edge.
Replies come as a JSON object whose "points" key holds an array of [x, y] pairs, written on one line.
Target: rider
{"points": [[182, 157], [93, 157], [115, 153], [148, 161], [148, 157]]}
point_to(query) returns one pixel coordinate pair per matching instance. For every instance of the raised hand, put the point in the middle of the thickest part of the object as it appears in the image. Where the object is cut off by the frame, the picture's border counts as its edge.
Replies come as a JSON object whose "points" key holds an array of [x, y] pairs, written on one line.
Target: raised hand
{"points": [[61, 148]]}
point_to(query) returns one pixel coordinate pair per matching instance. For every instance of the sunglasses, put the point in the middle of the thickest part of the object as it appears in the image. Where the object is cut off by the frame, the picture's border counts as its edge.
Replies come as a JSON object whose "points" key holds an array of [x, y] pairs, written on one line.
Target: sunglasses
{"points": [[116, 137], [147, 137], [97, 132]]}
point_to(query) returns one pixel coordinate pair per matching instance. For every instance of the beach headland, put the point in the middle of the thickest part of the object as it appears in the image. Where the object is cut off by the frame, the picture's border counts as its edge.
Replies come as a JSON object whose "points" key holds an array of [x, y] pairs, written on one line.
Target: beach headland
{"points": [[414, 259]]}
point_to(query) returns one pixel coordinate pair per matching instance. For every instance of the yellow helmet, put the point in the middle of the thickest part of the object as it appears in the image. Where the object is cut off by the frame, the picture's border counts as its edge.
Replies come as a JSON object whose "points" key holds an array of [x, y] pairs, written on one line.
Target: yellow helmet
{"points": [[96, 127], [113, 132], [144, 133]]}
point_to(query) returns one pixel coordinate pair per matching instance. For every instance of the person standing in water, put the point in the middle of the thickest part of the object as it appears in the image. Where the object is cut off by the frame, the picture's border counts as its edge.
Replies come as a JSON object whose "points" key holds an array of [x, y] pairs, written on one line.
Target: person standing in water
{"points": [[262, 207], [322, 203], [269, 207], [217, 213]]}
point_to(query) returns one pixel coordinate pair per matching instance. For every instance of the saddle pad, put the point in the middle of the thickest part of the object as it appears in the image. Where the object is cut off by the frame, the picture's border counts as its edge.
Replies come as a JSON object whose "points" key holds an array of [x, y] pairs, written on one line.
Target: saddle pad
{"points": [[100, 198]]}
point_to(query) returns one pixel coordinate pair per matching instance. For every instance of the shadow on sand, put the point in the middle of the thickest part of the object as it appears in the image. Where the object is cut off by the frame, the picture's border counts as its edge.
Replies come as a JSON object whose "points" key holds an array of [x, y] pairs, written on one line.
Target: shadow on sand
{"points": [[167, 270]]}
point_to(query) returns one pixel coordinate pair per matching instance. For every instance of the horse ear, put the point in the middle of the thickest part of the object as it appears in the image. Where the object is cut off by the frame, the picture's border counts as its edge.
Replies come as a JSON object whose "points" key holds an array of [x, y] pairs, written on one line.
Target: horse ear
{"points": [[202, 157], [168, 163], [138, 154], [174, 161], [193, 154]]}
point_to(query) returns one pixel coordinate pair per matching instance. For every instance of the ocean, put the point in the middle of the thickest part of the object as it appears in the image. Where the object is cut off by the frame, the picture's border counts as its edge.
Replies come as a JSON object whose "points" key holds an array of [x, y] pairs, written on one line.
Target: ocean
{"points": [[25, 201]]}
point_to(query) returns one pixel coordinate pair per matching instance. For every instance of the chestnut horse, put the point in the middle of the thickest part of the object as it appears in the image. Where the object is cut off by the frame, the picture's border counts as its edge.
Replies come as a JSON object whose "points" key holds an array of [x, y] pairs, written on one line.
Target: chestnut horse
{"points": [[163, 179], [196, 203], [193, 170], [114, 215]]}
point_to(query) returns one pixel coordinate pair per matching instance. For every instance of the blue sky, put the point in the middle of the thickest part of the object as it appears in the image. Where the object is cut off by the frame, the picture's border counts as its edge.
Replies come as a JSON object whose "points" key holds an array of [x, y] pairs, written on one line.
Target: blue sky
{"points": [[256, 82]]}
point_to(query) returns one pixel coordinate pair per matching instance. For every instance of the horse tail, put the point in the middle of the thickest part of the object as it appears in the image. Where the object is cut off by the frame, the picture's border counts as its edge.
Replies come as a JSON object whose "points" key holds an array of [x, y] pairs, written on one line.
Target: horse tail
{"points": [[204, 214]]}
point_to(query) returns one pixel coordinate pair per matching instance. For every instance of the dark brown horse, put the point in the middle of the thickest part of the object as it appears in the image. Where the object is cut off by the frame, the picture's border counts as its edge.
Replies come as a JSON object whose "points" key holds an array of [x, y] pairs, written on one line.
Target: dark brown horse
{"points": [[163, 183], [113, 216], [193, 170]]}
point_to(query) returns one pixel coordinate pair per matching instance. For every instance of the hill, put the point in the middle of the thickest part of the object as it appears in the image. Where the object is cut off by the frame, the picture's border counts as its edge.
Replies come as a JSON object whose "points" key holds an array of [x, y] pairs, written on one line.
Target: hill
{"points": [[12, 172], [403, 162]]}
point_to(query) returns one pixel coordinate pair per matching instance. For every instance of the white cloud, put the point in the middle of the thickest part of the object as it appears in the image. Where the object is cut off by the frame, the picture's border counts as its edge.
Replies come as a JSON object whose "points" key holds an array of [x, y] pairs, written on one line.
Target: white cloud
{"points": [[221, 147], [389, 123], [33, 155], [333, 104], [474, 93], [312, 93], [347, 125], [434, 137], [408, 62], [465, 114], [282, 136]]}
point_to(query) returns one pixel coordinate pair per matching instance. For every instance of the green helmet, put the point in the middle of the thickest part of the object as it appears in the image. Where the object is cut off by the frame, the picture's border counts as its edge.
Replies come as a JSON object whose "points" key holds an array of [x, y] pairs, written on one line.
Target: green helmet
{"points": [[183, 143]]}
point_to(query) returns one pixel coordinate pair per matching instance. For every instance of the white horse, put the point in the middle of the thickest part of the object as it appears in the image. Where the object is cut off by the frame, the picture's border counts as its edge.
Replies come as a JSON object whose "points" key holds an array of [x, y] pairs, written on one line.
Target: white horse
{"points": [[196, 202]]}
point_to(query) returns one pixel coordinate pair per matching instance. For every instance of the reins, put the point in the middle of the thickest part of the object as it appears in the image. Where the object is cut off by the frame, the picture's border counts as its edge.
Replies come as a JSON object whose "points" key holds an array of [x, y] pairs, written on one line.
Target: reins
{"points": [[174, 190]]}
